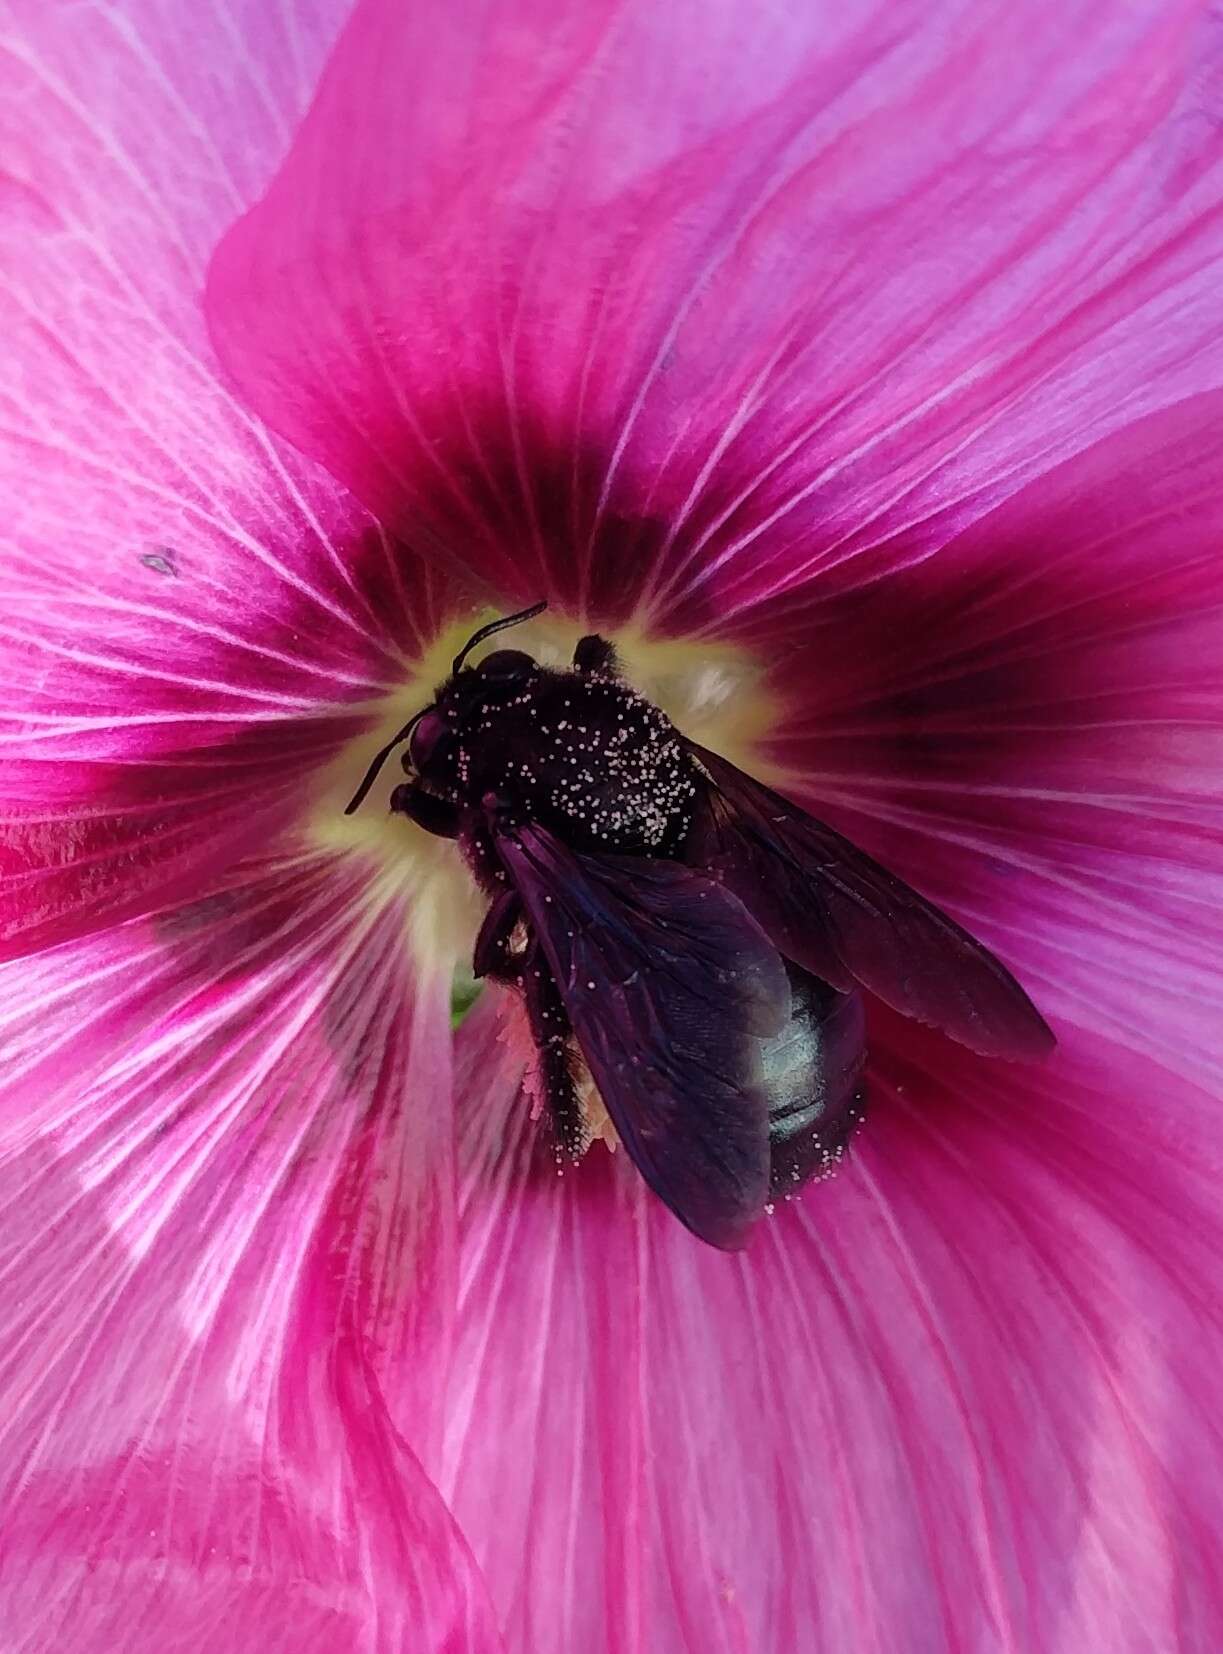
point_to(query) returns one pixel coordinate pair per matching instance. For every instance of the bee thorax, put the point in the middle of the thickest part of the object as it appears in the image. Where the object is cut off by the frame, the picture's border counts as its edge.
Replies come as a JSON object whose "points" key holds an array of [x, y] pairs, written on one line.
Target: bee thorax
{"points": [[586, 756]]}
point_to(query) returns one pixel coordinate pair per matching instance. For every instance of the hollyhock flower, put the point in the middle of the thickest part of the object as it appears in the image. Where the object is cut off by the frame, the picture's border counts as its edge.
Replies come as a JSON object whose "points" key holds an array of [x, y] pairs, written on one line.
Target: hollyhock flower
{"points": [[858, 369]]}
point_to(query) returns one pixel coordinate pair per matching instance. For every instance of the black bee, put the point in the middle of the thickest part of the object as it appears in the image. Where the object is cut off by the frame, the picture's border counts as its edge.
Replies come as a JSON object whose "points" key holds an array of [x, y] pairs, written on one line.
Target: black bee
{"points": [[691, 936]]}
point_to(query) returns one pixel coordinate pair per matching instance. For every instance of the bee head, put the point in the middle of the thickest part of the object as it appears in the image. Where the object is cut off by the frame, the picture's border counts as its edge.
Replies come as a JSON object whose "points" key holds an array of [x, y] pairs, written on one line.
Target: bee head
{"points": [[432, 735], [501, 660], [460, 704], [505, 666]]}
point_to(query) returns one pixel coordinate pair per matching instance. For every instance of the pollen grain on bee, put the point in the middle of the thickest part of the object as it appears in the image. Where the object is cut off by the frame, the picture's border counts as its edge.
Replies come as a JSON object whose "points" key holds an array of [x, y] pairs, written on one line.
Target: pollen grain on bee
{"points": [[599, 766]]}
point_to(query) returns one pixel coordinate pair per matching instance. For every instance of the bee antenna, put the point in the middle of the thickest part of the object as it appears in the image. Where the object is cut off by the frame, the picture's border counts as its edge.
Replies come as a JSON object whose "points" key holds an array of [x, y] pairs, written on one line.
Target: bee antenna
{"points": [[380, 758], [496, 626]]}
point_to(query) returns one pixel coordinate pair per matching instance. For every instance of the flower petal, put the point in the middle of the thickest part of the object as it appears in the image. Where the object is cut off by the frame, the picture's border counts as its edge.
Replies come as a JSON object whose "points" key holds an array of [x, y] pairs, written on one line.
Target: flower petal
{"points": [[1030, 726], [186, 609], [962, 1396], [635, 307], [224, 1160]]}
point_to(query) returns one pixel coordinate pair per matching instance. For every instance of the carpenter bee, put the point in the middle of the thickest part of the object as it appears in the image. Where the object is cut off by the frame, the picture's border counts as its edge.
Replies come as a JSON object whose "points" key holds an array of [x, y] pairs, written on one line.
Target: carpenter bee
{"points": [[684, 938]]}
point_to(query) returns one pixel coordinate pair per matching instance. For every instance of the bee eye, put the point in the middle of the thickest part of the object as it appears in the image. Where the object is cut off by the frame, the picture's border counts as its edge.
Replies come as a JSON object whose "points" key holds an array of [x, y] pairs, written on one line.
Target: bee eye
{"points": [[429, 740], [506, 663]]}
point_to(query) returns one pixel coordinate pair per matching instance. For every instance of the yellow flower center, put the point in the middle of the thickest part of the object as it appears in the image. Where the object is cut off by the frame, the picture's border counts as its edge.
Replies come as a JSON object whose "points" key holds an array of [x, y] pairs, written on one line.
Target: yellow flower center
{"points": [[714, 693]]}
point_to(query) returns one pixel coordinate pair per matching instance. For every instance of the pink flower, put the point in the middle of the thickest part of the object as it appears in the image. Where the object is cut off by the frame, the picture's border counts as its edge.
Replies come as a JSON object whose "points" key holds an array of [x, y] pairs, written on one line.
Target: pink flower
{"points": [[869, 354]]}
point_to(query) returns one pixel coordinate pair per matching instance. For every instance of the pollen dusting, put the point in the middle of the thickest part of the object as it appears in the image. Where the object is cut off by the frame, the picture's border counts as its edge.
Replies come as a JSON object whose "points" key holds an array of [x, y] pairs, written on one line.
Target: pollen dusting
{"points": [[595, 1118], [596, 1122], [713, 693]]}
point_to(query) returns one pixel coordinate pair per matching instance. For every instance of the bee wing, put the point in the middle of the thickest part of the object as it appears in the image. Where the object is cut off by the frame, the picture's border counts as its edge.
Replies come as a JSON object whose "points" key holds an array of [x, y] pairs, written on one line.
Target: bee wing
{"points": [[672, 989], [830, 908]]}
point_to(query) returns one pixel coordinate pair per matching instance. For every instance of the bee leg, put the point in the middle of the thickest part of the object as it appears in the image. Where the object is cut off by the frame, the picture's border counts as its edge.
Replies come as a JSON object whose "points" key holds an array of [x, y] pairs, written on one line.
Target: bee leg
{"points": [[492, 956], [553, 1035], [595, 654], [527, 969], [434, 814]]}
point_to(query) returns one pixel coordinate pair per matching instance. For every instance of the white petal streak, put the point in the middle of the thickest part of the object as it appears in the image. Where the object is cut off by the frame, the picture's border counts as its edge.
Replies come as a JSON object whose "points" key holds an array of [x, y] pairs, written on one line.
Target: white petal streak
{"points": [[208, 1148], [165, 488]]}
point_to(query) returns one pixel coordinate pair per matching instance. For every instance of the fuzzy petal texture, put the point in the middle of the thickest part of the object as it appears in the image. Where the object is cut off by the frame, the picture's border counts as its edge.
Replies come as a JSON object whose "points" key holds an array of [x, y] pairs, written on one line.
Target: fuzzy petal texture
{"points": [[885, 339], [670, 311], [185, 609], [225, 1164], [224, 1133], [1031, 725], [963, 1396]]}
